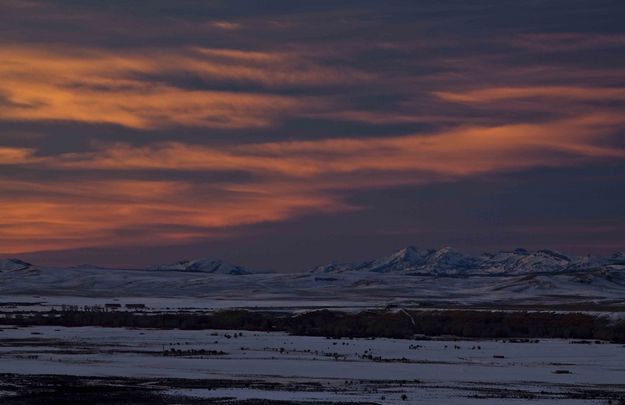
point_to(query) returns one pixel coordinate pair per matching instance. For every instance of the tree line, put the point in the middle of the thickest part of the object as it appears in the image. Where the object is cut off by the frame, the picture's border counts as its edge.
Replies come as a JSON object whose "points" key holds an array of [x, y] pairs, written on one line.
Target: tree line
{"points": [[375, 323]]}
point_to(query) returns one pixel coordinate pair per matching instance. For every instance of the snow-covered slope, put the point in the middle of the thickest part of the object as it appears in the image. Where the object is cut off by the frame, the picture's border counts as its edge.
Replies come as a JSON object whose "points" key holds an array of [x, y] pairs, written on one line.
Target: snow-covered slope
{"points": [[449, 262], [595, 262], [410, 276], [409, 260], [14, 264], [321, 290], [214, 266], [406, 259], [442, 261], [521, 261]]}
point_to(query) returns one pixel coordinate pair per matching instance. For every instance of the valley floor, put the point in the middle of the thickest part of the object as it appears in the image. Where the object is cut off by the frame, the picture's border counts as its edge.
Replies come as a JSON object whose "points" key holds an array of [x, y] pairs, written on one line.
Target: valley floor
{"points": [[49, 364]]}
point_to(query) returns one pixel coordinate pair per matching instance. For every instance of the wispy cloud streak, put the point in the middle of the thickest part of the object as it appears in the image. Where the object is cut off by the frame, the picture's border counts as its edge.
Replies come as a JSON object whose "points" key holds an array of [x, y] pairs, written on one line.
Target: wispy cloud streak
{"points": [[131, 89]]}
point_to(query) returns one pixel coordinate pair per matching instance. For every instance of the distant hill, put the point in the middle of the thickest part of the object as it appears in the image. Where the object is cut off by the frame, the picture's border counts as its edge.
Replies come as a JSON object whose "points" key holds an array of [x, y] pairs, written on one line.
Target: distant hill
{"points": [[214, 266], [14, 264], [448, 261]]}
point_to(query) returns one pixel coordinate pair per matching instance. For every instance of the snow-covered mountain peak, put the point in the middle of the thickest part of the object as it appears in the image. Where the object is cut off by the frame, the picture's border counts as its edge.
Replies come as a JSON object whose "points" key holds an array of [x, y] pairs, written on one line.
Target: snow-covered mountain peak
{"points": [[408, 254], [207, 265], [406, 259], [332, 267], [522, 261], [553, 254], [447, 261], [409, 260], [14, 264], [446, 253], [618, 257]]}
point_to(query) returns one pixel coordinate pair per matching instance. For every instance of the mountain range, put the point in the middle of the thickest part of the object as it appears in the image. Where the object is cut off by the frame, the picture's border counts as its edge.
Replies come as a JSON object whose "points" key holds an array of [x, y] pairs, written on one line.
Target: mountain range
{"points": [[412, 261], [408, 276], [214, 266], [450, 262]]}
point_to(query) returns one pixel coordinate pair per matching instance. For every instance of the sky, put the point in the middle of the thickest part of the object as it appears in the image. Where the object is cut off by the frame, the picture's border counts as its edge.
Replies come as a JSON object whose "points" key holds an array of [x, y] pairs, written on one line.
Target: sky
{"points": [[284, 134]]}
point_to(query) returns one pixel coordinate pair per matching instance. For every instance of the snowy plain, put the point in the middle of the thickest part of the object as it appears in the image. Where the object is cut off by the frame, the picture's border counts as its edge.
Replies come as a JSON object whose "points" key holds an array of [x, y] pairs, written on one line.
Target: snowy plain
{"points": [[338, 370]]}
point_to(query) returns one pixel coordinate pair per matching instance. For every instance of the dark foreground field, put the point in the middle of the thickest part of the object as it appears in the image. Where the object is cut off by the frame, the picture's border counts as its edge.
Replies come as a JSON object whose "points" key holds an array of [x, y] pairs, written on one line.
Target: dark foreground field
{"points": [[59, 389]]}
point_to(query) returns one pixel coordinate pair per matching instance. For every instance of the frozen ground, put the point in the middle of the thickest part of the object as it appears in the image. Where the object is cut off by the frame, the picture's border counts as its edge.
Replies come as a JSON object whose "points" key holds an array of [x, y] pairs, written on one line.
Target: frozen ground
{"points": [[38, 303], [251, 365], [601, 289]]}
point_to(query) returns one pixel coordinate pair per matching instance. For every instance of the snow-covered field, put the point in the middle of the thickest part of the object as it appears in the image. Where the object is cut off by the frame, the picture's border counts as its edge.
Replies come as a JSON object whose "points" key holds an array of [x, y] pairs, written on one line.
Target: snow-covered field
{"points": [[321, 369], [342, 290]]}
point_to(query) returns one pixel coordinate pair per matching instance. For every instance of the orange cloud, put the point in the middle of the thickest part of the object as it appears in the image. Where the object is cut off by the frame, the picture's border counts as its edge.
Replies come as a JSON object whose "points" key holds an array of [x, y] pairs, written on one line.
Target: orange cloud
{"points": [[495, 94], [462, 151], [567, 41], [65, 215], [145, 107], [289, 179], [15, 155], [104, 87], [226, 25]]}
